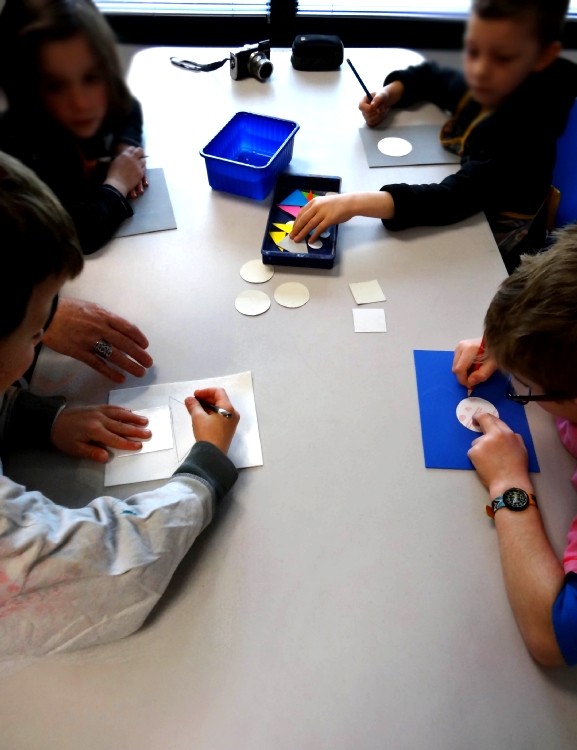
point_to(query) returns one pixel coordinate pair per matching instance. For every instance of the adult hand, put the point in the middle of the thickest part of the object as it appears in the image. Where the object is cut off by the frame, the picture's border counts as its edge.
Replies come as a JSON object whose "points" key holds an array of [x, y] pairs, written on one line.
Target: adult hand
{"points": [[127, 172], [465, 357], [86, 432], [77, 326], [208, 425], [499, 456], [376, 110]]}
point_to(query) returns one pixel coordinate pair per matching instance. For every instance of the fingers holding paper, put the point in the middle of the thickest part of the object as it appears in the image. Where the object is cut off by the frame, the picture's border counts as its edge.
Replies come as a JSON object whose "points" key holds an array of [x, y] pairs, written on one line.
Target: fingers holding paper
{"points": [[211, 426], [87, 432]]}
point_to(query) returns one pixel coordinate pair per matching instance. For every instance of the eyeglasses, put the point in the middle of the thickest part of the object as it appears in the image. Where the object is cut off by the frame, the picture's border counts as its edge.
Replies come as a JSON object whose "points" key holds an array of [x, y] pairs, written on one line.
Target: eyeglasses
{"points": [[524, 398]]}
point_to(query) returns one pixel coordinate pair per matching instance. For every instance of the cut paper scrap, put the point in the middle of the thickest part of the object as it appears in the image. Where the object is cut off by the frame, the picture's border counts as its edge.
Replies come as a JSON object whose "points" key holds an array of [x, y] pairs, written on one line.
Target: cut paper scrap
{"points": [[277, 237], [468, 407], [252, 302], [291, 246], [292, 210], [256, 272], [160, 424], [369, 321], [245, 449], [288, 227], [365, 292], [296, 198], [292, 294], [445, 440]]}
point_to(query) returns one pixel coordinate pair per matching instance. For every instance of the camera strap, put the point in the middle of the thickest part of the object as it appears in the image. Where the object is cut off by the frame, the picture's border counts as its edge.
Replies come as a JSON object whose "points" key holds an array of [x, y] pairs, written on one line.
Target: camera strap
{"points": [[191, 65]]}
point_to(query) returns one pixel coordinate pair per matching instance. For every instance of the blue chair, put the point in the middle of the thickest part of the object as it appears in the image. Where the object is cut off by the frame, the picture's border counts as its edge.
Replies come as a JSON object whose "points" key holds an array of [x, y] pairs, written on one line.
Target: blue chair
{"points": [[565, 172]]}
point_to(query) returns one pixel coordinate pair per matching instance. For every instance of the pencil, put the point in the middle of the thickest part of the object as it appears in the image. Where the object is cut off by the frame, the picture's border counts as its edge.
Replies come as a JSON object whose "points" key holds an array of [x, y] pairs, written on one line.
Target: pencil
{"points": [[212, 407], [360, 80], [478, 361]]}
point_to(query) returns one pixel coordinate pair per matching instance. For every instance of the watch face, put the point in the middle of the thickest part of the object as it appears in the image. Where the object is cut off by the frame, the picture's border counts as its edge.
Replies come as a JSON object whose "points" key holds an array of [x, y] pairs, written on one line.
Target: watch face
{"points": [[516, 499]]}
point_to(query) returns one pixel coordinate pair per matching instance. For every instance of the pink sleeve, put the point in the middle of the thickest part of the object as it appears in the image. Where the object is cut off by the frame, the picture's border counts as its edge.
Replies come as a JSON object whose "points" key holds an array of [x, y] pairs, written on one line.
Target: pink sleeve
{"points": [[570, 554]]}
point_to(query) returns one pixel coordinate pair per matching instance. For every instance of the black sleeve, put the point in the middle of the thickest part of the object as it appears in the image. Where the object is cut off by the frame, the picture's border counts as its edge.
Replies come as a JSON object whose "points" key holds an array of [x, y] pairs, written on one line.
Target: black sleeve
{"points": [[457, 197], [429, 82], [130, 130], [97, 219], [209, 463], [27, 419]]}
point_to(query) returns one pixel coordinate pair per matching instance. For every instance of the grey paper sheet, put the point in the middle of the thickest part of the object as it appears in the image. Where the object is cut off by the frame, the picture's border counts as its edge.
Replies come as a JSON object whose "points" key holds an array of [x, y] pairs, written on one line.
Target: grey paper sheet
{"points": [[427, 148], [152, 210]]}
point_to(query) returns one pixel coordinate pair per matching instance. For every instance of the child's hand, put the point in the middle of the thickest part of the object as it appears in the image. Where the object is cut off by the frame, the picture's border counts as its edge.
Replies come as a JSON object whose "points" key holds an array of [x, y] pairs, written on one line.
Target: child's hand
{"points": [[499, 456], [86, 432], [320, 214], [76, 327], [209, 426], [375, 112], [465, 357], [127, 172]]}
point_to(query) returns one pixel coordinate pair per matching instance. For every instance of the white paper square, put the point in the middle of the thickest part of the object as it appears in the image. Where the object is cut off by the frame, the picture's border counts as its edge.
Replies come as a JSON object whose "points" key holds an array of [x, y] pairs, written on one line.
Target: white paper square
{"points": [[367, 291], [369, 321], [245, 449], [160, 424]]}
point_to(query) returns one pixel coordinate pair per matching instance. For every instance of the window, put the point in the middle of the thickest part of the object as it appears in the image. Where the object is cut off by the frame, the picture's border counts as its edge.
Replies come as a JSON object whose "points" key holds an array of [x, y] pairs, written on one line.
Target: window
{"points": [[229, 9], [376, 8]]}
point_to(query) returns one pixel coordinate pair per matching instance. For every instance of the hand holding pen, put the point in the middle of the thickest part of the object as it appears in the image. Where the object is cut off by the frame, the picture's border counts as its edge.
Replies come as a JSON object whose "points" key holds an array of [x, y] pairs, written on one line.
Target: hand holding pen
{"points": [[471, 365], [214, 418]]}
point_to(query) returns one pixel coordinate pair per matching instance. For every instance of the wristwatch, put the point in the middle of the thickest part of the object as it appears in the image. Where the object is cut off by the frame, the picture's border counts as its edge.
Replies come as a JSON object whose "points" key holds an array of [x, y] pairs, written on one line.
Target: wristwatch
{"points": [[514, 499]]}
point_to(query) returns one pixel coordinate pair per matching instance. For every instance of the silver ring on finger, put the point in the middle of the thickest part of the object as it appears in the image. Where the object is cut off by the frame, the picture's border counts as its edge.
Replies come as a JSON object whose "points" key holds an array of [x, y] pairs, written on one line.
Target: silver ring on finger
{"points": [[103, 349]]}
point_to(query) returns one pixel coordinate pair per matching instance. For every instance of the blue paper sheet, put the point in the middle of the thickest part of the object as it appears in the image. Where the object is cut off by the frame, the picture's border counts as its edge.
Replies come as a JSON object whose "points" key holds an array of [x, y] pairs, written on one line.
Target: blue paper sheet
{"points": [[445, 440]]}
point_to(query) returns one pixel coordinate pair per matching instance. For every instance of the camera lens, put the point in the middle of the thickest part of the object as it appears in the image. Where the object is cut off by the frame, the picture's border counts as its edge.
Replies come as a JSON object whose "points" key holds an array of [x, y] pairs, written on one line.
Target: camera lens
{"points": [[259, 66]]}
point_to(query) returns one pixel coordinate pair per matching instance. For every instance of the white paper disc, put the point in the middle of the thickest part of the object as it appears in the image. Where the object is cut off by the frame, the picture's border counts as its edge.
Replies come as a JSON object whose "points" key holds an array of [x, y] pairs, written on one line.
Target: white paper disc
{"points": [[468, 406], [292, 294], [256, 272], [394, 146], [252, 302]]}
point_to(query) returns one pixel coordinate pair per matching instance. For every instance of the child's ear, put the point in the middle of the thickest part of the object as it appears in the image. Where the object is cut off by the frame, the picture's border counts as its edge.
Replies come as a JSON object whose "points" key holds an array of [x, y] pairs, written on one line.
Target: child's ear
{"points": [[548, 55]]}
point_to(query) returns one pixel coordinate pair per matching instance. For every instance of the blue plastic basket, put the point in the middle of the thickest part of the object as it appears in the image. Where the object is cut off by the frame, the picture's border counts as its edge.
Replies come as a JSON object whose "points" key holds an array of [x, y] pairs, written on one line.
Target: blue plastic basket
{"points": [[246, 156]]}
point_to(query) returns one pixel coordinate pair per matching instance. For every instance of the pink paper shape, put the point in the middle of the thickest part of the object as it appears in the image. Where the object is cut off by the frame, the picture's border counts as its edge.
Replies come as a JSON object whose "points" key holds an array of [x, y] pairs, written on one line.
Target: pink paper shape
{"points": [[292, 210]]}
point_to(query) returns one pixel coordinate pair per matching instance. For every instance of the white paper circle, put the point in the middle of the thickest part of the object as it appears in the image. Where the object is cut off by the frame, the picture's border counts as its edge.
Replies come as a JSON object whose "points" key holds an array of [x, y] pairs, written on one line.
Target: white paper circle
{"points": [[394, 146], [316, 245], [468, 406], [292, 294], [252, 302], [256, 272]]}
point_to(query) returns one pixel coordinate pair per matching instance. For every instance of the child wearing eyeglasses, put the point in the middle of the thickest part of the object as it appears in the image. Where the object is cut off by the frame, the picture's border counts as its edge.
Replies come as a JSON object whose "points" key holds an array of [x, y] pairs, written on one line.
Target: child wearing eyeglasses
{"points": [[507, 109], [71, 117], [531, 333]]}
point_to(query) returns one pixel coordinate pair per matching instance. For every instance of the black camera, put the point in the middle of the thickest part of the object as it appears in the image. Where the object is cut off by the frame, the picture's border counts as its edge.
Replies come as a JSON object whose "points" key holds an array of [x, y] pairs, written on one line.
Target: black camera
{"points": [[251, 60]]}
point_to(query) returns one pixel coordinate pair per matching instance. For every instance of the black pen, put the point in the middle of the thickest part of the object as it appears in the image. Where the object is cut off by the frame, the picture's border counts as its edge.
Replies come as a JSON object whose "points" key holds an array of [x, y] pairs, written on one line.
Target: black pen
{"points": [[212, 407], [360, 80]]}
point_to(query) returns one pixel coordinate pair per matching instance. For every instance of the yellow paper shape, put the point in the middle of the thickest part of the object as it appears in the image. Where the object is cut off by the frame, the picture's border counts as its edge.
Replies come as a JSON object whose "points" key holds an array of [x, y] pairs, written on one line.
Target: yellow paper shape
{"points": [[277, 236], [285, 227]]}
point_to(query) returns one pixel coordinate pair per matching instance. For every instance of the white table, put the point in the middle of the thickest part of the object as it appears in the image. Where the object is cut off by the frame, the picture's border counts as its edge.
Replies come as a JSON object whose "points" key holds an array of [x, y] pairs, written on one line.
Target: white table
{"points": [[345, 596]]}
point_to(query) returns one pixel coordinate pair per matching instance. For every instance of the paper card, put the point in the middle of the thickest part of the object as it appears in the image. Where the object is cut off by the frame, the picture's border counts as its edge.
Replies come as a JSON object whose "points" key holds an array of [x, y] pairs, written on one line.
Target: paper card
{"points": [[445, 439], [367, 291], [152, 210], [369, 321], [159, 423], [426, 147], [245, 449]]}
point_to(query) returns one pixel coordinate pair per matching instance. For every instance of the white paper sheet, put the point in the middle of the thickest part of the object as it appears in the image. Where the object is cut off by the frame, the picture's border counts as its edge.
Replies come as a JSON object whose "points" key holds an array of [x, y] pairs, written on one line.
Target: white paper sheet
{"points": [[245, 449]]}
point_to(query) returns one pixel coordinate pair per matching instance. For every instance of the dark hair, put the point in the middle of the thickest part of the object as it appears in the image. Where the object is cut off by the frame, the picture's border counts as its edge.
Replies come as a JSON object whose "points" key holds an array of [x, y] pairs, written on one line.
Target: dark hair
{"points": [[25, 25], [548, 16], [38, 240], [531, 323]]}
